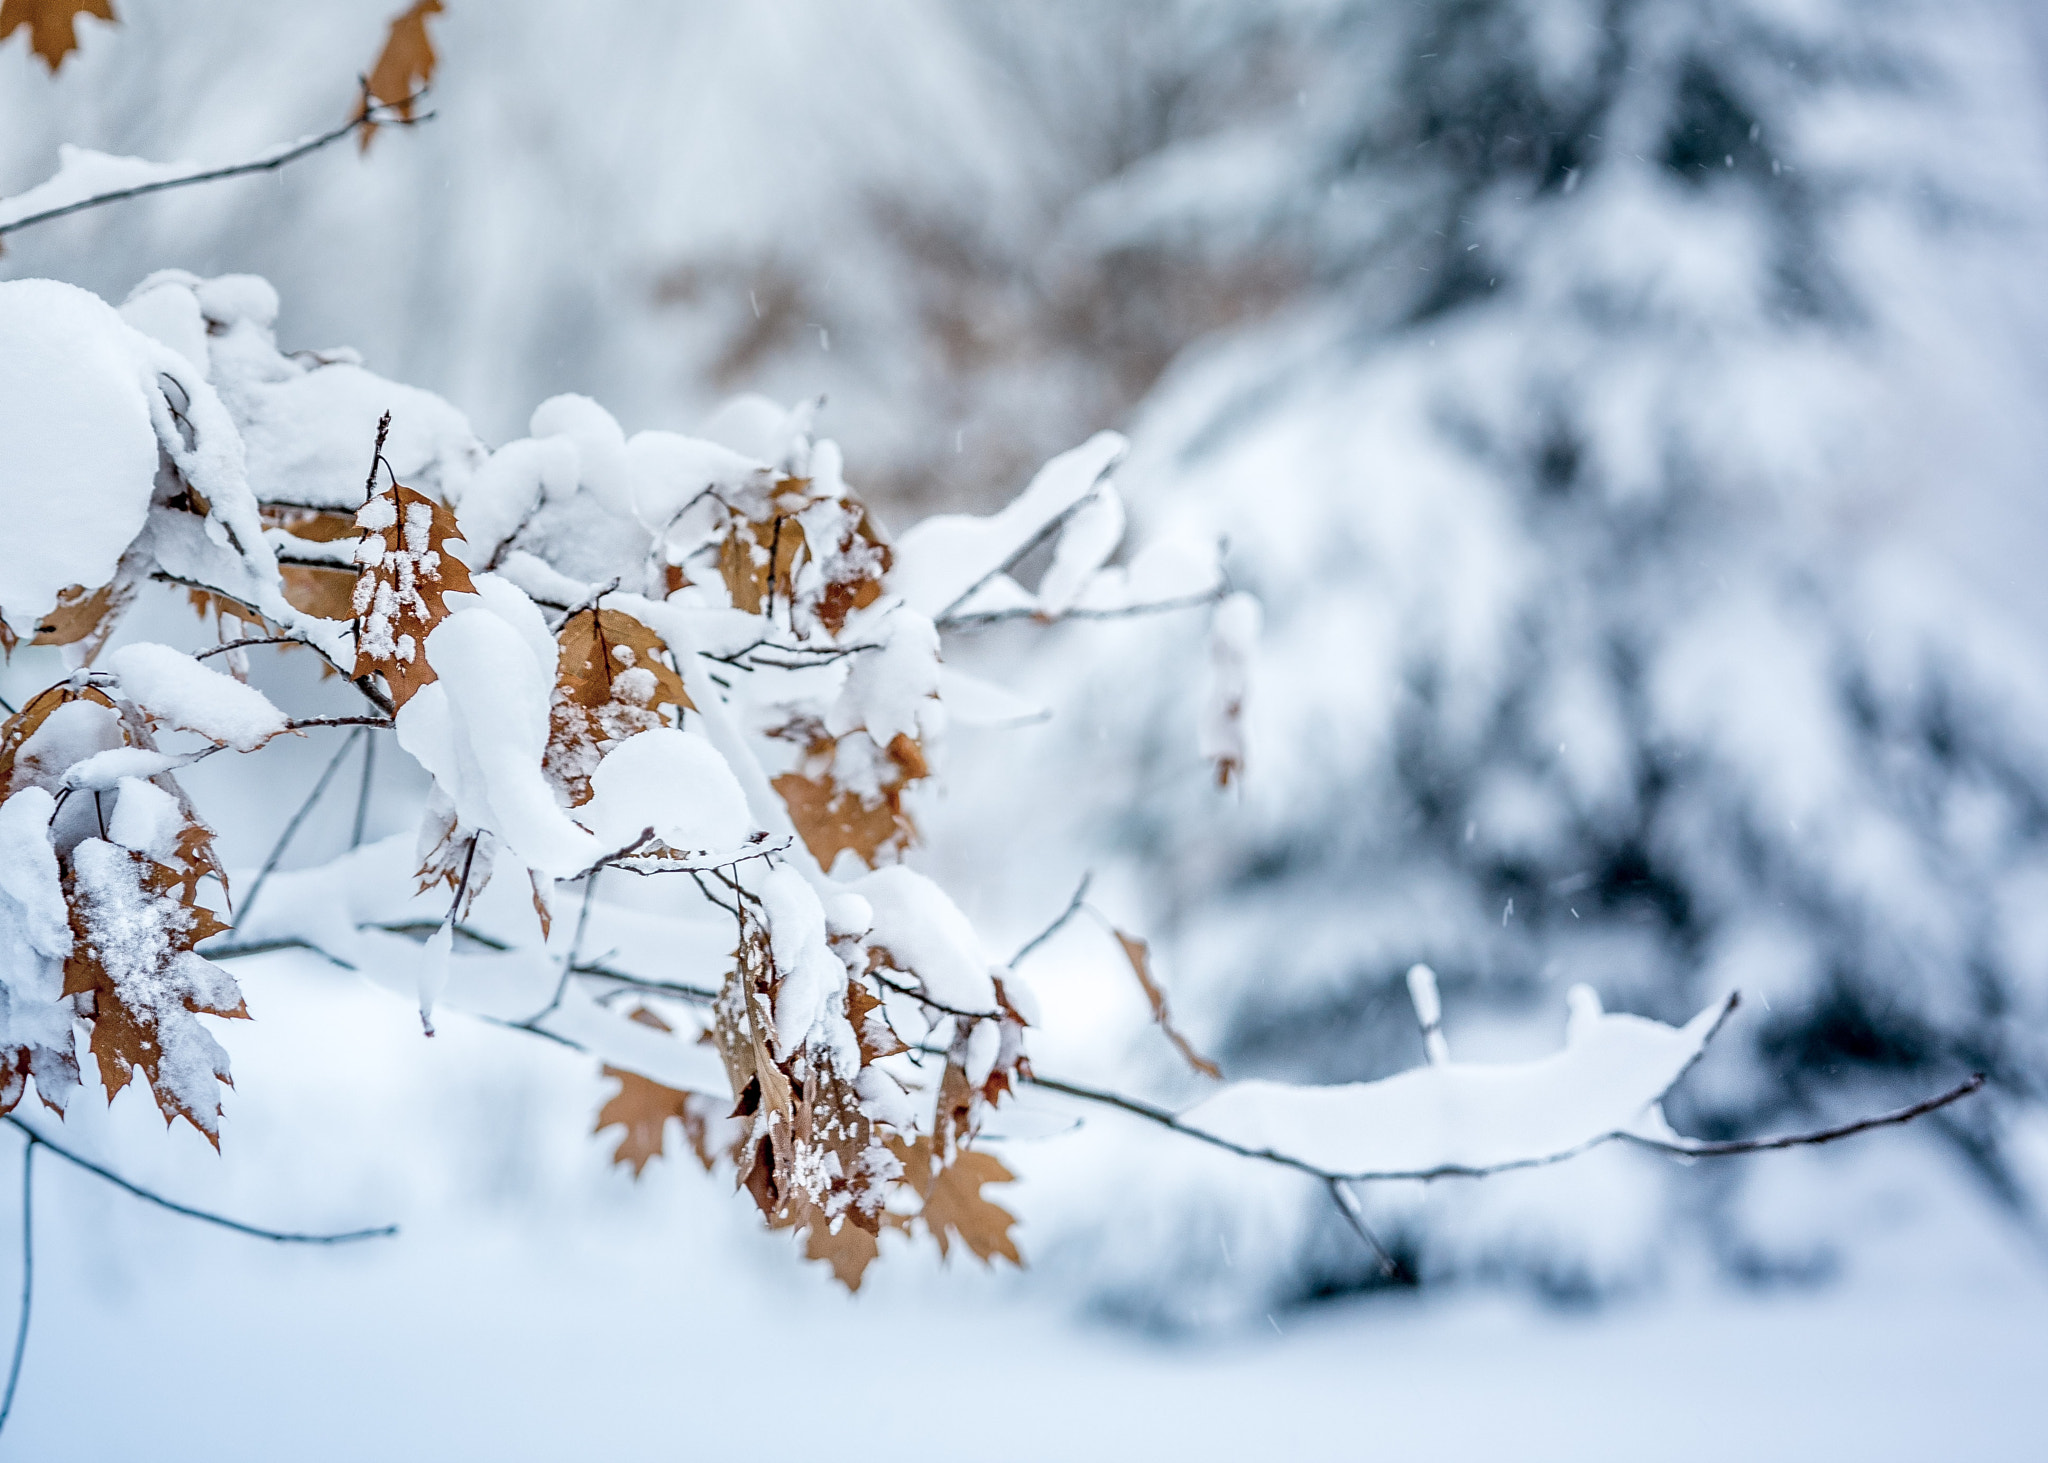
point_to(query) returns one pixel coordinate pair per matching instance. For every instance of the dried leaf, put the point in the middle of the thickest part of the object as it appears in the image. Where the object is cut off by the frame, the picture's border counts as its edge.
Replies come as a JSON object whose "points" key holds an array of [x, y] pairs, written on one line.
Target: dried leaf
{"points": [[612, 677], [853, 569], [405, 65], [457, 857], [316, 588], [134, 927], [850, 1248], [77, 613], [26, 722], [743, 1024], [758, 561], [870, 1022], [642, 1107], [953, 1206], [543, 901], [1141, 965], [832, 818], [406, 569], [207, 602], [52, 24]]}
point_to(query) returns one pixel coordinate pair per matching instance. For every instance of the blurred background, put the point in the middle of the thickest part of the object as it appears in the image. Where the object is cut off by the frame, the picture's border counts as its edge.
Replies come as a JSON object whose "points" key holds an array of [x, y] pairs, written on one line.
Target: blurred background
{"points": [[1633, 417]]}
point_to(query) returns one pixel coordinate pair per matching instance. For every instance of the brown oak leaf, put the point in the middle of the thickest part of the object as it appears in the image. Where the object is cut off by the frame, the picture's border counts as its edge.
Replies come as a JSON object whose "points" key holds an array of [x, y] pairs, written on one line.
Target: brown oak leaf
{"points": [[52, 24], [1141, 965], [405, 65], [612, 677], [954, 1208], [314, 586], [831, 817], [134, 927], [406, 569]]}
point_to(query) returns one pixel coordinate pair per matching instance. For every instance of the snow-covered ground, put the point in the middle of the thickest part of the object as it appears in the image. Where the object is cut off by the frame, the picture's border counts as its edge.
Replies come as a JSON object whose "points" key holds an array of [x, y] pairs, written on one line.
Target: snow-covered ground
{"points": [[537, 1305]]}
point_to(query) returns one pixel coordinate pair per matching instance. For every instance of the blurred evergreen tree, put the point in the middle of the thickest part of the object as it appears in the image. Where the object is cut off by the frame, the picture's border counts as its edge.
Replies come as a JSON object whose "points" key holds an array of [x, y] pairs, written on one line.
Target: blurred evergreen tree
{"points": [[1579, 480]]}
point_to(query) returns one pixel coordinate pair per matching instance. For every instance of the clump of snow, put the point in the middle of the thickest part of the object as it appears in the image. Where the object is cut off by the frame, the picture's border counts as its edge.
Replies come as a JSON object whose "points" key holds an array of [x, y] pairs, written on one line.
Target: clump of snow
{"points": [[1089, 538], [928, 936], [145, 818], [946, 557], [889, 689], [672, 782], [481, 730], [81, 455], [813, 978], [1452, 1116], [176, 690]]}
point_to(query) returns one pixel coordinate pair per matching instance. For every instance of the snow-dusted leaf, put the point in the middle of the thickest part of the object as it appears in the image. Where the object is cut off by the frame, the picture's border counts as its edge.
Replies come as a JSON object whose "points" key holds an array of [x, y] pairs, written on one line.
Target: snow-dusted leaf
{"points": [[135, 926], [611, 682], [406, 570]]}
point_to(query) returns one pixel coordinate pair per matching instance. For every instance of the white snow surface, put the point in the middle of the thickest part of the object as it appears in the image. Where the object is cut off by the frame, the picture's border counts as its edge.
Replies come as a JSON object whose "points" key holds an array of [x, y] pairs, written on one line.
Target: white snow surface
{"points": [[481, 730], [81, 450], [944, 557], [35, 927], [1455, 1116], [924, 929], [674, 783], [189, 695], [83, 173]]}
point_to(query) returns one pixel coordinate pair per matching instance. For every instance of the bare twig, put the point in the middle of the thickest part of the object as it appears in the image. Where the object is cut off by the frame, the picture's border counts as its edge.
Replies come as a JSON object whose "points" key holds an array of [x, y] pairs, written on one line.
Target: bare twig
{"points": [[284, 839], [246, 642], [283, 1237], [1073, 908], [355, 838], [1699, 1148], [1354, 1213], [373, 115], [924, 1000], [1121, 612], [569, 960], [28, 1271]]}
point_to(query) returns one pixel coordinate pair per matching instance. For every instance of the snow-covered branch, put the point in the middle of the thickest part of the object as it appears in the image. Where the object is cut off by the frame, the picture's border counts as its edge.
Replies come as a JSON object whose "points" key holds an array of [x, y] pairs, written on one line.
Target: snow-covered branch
{"points": [[86, 179]]}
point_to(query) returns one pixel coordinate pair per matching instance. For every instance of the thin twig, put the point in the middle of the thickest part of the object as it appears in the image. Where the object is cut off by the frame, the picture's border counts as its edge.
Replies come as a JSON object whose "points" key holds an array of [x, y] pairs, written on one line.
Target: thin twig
{"points": [[1122, 612], [1046, 530], [246, 642], [1700, 1148], [1348, 1206], [28, 1270], [924, 1000], [1171, 1120], [590, 602], [377, 115], [1073, 908], [381, 723], [569, 961], [355, 837], [283, 1237], [284, 839]]}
